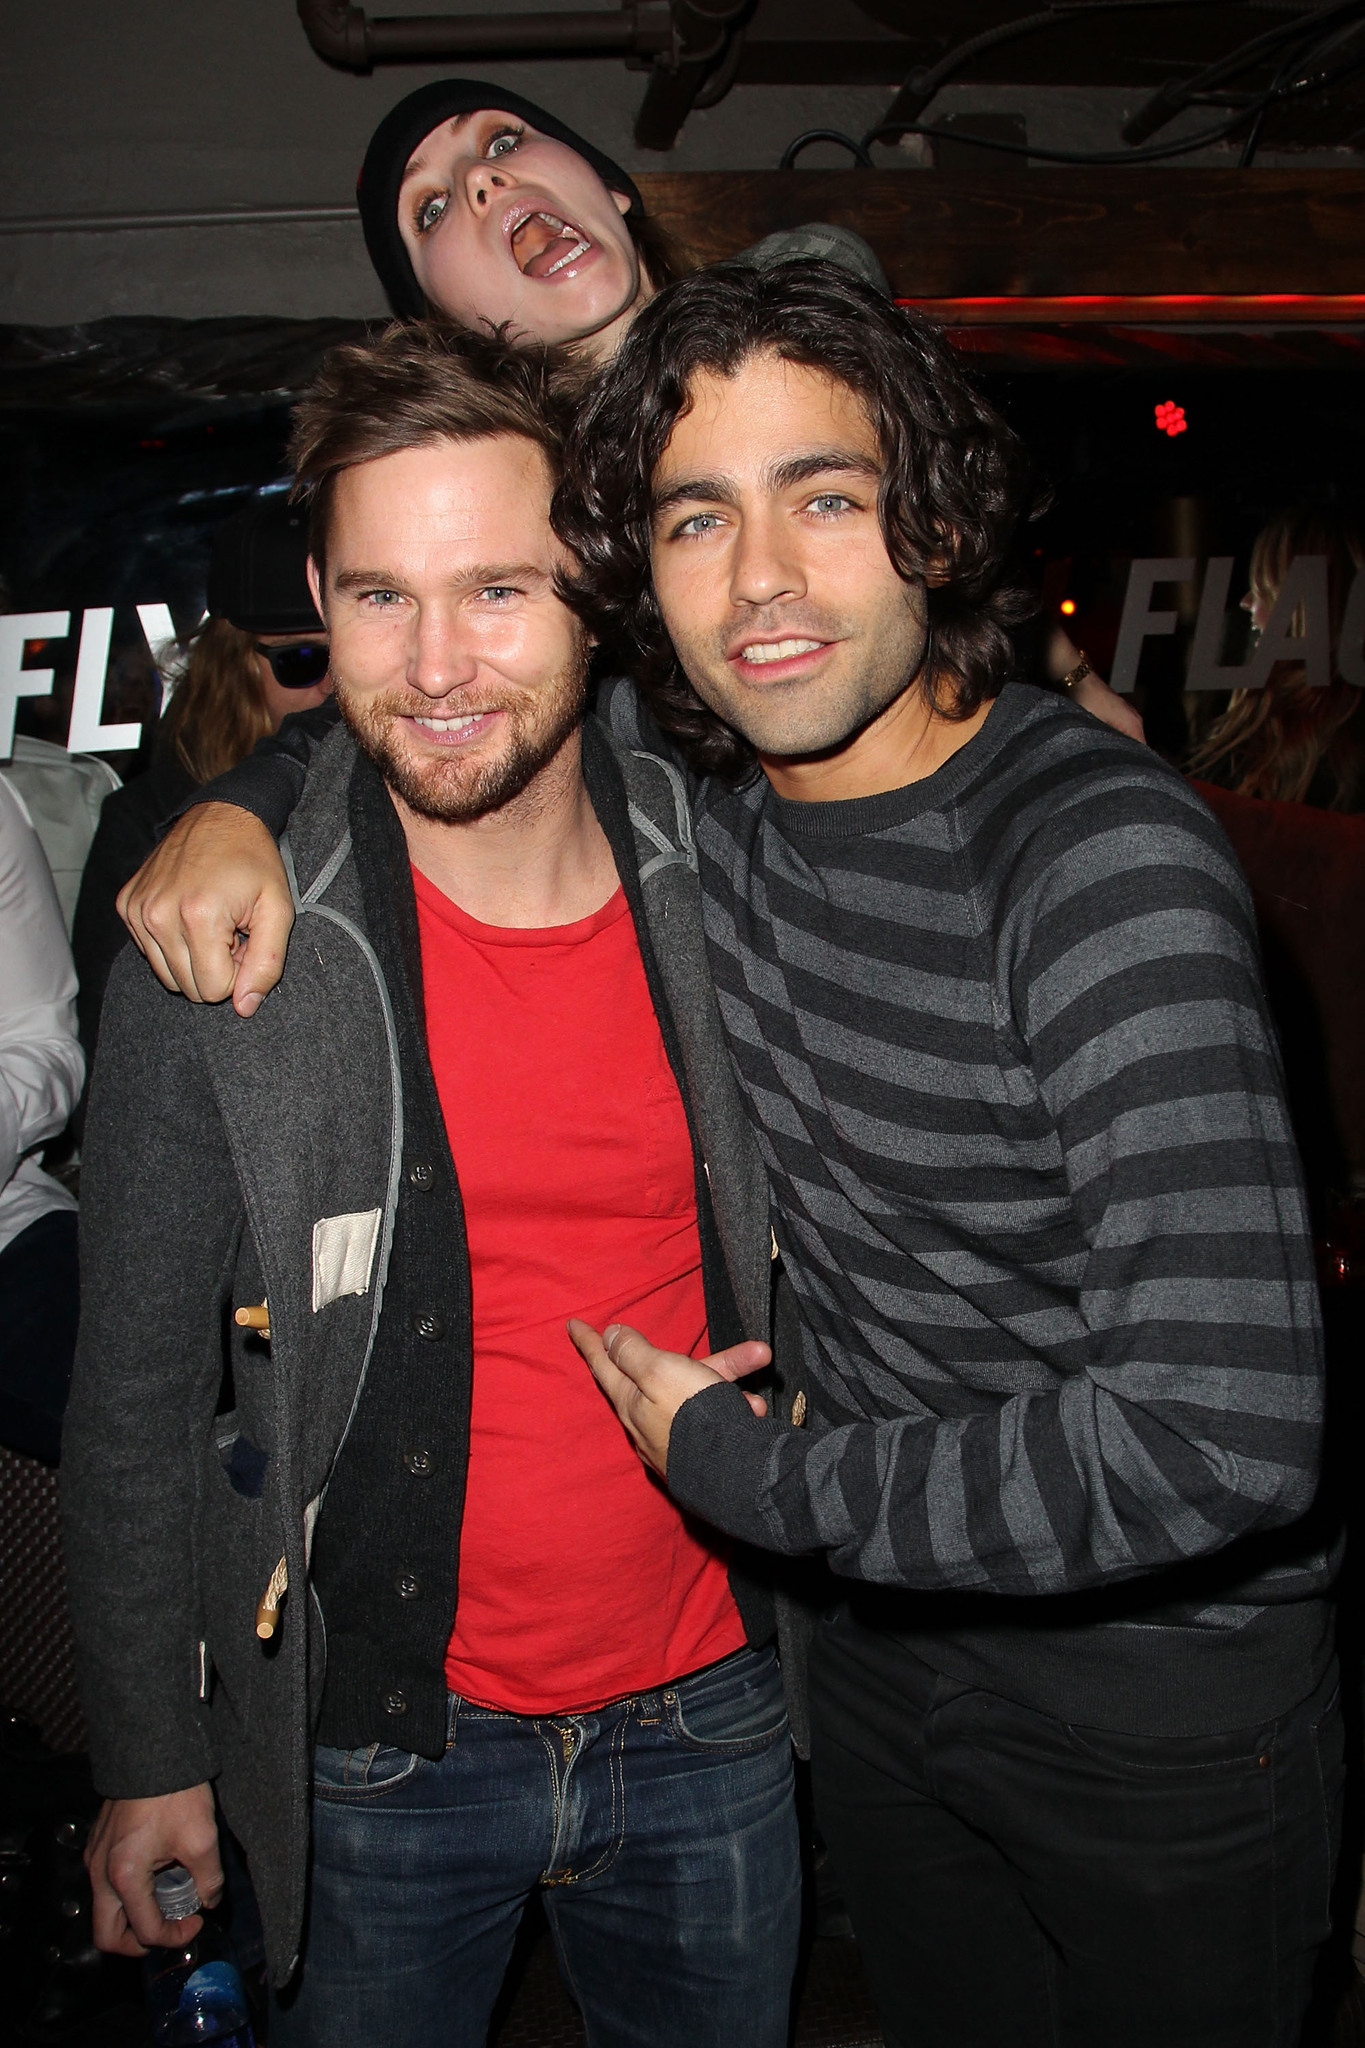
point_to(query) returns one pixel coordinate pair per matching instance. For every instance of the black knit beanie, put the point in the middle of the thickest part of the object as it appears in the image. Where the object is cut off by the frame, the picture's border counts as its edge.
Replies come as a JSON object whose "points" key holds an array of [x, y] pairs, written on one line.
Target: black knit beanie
{"points": [[397, 136]]}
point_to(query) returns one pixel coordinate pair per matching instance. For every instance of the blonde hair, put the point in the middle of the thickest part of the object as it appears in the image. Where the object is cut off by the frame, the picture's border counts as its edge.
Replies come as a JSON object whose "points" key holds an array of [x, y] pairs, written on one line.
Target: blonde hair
{"points": [[1274, 742], [218, 711]]}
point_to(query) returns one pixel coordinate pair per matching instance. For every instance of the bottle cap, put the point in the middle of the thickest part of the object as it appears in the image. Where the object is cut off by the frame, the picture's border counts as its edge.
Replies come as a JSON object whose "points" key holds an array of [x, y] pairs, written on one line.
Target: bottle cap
{"points": [[176, 1894]]}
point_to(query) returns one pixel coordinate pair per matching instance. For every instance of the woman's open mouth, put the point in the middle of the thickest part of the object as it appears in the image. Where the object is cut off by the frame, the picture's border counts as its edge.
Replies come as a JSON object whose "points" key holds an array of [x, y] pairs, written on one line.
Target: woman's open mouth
{"points": [[544, 244]]}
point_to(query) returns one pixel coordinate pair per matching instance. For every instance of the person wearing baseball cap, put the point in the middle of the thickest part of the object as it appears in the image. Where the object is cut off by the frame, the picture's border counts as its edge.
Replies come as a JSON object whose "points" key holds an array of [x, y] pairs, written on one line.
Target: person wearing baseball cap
{"points": [[258, 587]]}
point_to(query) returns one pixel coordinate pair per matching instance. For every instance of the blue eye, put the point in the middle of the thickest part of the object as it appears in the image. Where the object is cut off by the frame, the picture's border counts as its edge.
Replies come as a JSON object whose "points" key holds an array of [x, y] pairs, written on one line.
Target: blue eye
{"points": [[829, 502], [430, 211], [700, 522], [504, 142]]}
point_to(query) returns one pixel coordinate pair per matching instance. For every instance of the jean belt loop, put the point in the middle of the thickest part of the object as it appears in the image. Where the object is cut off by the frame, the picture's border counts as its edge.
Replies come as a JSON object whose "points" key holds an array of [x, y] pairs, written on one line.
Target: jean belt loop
{"points": [[452, 1716]]}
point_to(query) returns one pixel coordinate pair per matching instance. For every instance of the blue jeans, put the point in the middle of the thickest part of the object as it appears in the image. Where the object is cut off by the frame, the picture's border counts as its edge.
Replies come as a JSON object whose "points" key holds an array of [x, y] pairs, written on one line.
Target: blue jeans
{"points": [[659, 1829]]}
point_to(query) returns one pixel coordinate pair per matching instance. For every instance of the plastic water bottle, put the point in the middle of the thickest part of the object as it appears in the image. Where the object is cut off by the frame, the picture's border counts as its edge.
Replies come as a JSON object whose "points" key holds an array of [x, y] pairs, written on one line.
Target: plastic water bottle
{"points": [[194, 1993]]}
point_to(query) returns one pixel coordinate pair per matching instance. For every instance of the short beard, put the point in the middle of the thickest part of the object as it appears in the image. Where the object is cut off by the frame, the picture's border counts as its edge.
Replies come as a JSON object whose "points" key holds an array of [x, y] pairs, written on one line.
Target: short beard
{"points": [[445, 790]]}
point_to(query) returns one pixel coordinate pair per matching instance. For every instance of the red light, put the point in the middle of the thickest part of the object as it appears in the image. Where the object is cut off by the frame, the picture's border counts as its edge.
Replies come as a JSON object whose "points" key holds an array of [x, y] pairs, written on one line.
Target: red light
{"points": [[1068, 606], [1170, 418], [1145, 307]]}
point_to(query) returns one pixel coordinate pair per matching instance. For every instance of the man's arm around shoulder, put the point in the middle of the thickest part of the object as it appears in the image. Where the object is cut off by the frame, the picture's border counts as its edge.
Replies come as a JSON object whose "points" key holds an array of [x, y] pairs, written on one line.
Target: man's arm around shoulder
{"points": [[211, 909]]}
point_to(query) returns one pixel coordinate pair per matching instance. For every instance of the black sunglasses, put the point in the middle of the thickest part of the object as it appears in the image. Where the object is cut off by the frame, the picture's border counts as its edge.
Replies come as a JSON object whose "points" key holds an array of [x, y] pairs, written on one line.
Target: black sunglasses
{"points": [[297, 666]]}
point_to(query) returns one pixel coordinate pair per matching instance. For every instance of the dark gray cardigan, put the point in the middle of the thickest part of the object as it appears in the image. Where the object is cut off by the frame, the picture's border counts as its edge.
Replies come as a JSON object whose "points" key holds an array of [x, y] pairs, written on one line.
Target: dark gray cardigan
{"points": [[230, 1161]]}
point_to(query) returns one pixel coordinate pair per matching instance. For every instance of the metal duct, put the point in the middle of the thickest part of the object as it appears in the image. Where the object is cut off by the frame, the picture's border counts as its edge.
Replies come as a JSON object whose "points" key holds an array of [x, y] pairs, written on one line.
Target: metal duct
{"points": [[684, 44], [346, 36]]}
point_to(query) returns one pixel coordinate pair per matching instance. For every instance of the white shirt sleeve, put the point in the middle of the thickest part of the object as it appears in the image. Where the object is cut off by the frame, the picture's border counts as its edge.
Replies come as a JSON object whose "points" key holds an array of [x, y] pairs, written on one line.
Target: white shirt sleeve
{"points": [[41, 1063]]}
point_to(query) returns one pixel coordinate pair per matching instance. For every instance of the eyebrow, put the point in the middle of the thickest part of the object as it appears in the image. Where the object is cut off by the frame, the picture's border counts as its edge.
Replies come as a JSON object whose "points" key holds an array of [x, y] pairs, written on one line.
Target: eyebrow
{"points": [[417, 164], [777, 477], [477, 577]]}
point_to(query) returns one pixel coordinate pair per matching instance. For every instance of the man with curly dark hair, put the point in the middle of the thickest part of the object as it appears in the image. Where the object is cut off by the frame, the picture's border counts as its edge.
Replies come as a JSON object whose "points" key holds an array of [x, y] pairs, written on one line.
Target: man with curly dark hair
{"points": [[943, 470], [989, 978]]}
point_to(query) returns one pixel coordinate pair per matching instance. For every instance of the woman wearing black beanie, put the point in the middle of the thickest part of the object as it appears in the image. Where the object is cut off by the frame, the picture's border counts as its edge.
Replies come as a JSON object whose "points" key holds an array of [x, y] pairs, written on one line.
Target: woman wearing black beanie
{"points": [[478, 205], [482, 207]]}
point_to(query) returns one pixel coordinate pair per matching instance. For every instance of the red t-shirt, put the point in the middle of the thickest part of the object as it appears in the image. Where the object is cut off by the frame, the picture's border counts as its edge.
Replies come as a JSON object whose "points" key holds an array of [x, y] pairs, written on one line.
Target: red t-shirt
{"points": [[580, 1581]]}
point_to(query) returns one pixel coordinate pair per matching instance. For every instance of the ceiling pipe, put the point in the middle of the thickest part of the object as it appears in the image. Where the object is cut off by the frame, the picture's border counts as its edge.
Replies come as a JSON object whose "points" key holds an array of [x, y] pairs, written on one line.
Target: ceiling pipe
{"points": [[706, 33], [687, 46], [346, 36]]}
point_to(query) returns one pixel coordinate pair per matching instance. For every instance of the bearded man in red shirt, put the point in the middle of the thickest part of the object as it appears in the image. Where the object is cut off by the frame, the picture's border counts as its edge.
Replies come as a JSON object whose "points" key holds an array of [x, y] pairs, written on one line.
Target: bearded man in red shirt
{"points": [[396, 1575]]}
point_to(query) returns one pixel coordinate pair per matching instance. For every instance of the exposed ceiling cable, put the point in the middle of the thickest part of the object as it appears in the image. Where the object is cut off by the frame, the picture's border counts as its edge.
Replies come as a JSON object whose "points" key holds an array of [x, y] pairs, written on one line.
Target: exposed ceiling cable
{"points": [[920, 88], [1176, 95], [1341, 21], [1298, 85]]}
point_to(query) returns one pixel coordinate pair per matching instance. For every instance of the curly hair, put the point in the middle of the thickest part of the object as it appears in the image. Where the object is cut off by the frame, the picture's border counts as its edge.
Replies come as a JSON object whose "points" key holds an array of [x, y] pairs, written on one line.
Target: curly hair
{"points": [[948, 500]]}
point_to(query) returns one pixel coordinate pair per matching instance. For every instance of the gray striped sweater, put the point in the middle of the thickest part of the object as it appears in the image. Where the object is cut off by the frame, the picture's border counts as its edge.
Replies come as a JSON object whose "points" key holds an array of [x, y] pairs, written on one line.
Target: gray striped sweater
{"points": [[1003, 1038]]}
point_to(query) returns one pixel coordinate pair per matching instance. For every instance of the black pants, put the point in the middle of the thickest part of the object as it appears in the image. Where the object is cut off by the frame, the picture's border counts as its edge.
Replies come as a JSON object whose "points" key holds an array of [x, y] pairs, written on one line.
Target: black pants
{"points": [[39, 1311], [1015, 1882]]}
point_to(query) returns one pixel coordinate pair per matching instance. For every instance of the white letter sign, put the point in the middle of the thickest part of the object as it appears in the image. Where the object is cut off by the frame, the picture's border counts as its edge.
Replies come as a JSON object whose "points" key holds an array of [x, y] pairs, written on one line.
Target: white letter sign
{"points": [[88, 734], [16, 681]]}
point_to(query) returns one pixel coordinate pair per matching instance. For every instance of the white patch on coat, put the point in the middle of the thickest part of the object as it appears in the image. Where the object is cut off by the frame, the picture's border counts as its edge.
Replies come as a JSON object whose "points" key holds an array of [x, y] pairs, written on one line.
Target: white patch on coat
{"points": [[343, 1255]]}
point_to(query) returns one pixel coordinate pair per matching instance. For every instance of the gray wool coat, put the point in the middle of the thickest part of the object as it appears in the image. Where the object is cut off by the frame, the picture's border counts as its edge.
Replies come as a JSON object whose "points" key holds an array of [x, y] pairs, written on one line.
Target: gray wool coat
{"points": [[229, 1162]]}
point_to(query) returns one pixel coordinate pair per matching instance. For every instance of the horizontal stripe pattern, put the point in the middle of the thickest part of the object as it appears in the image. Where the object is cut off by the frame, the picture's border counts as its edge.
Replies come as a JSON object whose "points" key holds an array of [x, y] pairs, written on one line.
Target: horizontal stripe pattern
{"points": [[1003, 1038]]}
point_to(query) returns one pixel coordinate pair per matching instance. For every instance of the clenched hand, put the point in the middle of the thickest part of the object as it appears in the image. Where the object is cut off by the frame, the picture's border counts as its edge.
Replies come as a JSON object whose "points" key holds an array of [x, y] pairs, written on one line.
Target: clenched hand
{"points": [[129, 1843], [211, 908]]}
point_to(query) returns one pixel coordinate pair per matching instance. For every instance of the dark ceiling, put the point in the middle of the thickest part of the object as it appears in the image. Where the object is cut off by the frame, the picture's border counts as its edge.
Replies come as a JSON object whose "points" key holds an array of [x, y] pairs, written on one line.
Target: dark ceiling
{"points": [[1147, 45], [1223, 56]]}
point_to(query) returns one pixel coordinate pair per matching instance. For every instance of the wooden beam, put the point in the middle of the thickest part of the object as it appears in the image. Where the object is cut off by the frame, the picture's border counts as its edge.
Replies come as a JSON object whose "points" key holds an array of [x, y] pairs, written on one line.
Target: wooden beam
{"points": [[1048, 233]]}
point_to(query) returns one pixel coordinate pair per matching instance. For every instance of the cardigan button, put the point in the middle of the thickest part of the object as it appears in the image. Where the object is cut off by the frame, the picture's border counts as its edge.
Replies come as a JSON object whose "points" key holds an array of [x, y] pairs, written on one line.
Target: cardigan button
{"points": [[395, 1703], [428, 1325], [419, 1463], [409, 1587], [421, 1173]]}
